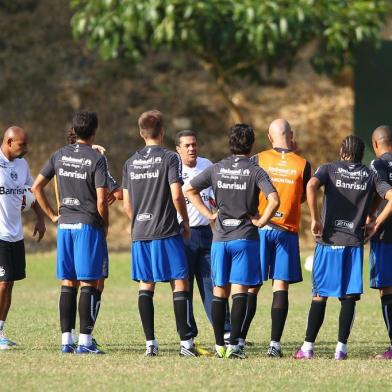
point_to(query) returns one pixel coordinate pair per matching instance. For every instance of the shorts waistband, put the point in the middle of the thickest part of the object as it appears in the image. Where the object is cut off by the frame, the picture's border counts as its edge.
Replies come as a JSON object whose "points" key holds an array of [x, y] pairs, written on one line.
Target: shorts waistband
{"points": [[201, 227]]}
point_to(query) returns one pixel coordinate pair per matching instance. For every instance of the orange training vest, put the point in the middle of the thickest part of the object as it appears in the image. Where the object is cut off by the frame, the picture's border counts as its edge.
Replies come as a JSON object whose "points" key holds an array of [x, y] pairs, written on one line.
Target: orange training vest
{"points": [[286, 170]]}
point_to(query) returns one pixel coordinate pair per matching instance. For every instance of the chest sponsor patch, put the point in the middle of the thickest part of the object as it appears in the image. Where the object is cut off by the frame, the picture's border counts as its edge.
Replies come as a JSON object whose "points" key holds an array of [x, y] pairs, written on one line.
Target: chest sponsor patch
{"points": [[231, 222], [145, 216]]}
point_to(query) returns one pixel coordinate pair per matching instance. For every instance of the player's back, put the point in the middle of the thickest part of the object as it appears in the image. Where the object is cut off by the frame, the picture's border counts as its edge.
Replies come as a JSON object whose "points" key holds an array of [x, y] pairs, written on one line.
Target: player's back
{"points": [[236, 183], [286, 170], [79, 171], [349, 188], [148, 175]]}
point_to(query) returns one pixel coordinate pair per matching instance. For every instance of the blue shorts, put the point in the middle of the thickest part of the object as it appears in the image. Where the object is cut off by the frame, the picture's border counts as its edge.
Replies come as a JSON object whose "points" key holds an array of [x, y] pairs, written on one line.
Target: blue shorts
{"points": [[159, 260], [279, 255], [337, 270], [237, 262], [380, 264], [81, 252]]}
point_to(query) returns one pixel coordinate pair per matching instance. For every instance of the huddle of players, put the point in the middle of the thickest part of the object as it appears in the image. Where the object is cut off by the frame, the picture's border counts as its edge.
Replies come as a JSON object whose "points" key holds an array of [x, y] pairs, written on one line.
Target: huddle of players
{"points": [[248, 224]]}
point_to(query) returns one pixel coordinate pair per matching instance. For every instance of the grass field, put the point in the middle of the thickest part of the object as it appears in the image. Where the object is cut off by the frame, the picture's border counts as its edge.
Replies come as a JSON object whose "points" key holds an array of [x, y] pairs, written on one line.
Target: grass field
{"points": [[36, 363]]}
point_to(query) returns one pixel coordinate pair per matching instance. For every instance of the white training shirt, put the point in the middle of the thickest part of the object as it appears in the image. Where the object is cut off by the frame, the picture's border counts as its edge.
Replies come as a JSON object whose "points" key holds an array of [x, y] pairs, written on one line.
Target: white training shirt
{"points": [[195, 218], [14, 175]]}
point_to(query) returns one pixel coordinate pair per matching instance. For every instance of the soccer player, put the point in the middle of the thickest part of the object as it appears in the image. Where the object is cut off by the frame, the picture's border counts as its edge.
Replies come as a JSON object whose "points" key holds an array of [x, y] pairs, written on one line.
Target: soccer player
{"points": [[83, 223], [14, 175], [152, 198], [114, 193], [349, 187], [279, 243], [381, 244], [198, 247], [235, 262]]}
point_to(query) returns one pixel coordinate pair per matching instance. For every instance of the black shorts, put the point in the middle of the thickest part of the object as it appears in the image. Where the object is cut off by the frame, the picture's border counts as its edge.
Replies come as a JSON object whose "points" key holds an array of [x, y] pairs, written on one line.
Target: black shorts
{"points": [[12, 261]]}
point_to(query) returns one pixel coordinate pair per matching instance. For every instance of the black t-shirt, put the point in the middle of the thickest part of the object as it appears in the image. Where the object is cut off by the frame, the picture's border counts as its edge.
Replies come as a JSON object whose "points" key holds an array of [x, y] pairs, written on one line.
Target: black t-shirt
{"points": [[147, 176], [79, 171], [236, 182], [348, 191], [383, 167]]}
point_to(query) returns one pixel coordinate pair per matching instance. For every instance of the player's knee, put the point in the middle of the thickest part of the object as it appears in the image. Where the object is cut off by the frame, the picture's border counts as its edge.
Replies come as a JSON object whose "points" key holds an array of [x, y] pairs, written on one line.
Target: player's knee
{"points": [[180, 285], [350, 298], [319, 298]]}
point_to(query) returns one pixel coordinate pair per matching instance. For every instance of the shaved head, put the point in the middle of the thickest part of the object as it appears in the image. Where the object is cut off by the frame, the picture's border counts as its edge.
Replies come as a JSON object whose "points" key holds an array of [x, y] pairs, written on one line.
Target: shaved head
{"points": [[15, 142], [280, 134], [13, 132], [383, 135]]}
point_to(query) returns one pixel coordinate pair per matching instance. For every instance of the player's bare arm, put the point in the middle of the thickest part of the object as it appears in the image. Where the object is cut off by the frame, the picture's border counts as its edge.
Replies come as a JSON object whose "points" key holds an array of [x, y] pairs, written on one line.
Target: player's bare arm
{"points": [[180, 205], [311, 195], [102, 207], [38, 190], [194, 197], [127, 203], [39, 227], [273, 203]]}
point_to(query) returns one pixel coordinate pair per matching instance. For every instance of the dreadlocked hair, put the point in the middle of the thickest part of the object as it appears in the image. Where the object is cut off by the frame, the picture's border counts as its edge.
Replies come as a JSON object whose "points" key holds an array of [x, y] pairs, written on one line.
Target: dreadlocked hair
{"points": [[352, 149]]}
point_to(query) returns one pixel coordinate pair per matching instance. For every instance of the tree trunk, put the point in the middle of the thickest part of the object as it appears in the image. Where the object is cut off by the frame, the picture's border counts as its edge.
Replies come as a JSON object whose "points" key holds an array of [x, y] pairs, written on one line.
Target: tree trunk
{"points": [[236, 115]]}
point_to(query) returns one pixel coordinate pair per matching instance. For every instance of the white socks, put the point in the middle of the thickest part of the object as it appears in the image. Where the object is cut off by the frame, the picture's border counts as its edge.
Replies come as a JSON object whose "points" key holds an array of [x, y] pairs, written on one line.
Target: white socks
{"points": [[277, 345], [341, 347], [66, 338], [85, 340], [151, 343], [307, 346], [187, 343]]}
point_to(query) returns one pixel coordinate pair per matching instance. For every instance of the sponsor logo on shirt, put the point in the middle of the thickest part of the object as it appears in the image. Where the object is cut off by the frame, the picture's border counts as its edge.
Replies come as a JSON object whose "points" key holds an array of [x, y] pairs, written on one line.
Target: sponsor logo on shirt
{"points": [[352, 174], [344, 224], [235, 186], [231, 222], [11, 191], [235, 172], [143, 176], [77, 161], [2, 271], [278, 214], [70, 201], [145, 216], [72, 174], [354, 185]]}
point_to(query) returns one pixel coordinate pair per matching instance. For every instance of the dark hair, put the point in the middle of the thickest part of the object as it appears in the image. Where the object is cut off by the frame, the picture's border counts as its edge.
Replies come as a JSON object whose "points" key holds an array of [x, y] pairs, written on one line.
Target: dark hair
{"points": [[179, 135], [241, 139], [150, 124], [84, 124], [71, 136], [352, 149]]}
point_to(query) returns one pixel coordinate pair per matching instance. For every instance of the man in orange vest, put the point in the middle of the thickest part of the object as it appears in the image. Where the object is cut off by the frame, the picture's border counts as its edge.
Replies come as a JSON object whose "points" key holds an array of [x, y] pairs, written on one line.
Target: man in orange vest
{"points": [[279, 245]]}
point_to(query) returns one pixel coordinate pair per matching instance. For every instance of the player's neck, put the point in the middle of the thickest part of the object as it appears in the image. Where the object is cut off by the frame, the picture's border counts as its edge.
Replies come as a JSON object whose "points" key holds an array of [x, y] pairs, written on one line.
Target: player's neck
{"points": [[282, 145], [153, 142], [86, 142]]}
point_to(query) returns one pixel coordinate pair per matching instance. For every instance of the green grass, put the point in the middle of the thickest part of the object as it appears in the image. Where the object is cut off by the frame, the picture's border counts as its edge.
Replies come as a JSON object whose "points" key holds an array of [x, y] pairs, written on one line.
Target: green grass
{"points": [[36, 363]]}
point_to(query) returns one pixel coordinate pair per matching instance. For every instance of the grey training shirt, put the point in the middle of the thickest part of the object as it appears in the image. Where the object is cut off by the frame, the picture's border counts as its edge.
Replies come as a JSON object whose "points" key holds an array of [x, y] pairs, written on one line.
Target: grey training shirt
{"points": [[79, 171], [236, 182], [348, 191], [147, 175]]}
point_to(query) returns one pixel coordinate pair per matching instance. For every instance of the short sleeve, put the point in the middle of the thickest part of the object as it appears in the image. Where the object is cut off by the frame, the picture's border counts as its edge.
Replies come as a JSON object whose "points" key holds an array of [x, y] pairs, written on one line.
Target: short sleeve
{"points": [[125, 176], [382, 187], [175, 169], [29, 177], [202, 180], [307, 174], [48, 171], [379, 167], [101, 173], [322, 174], [264, 182]]}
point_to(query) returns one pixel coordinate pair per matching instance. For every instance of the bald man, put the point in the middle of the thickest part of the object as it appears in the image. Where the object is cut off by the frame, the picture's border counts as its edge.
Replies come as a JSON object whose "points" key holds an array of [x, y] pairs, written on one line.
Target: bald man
{"points": [[14, 176], [279, 245], [381, 244]]}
